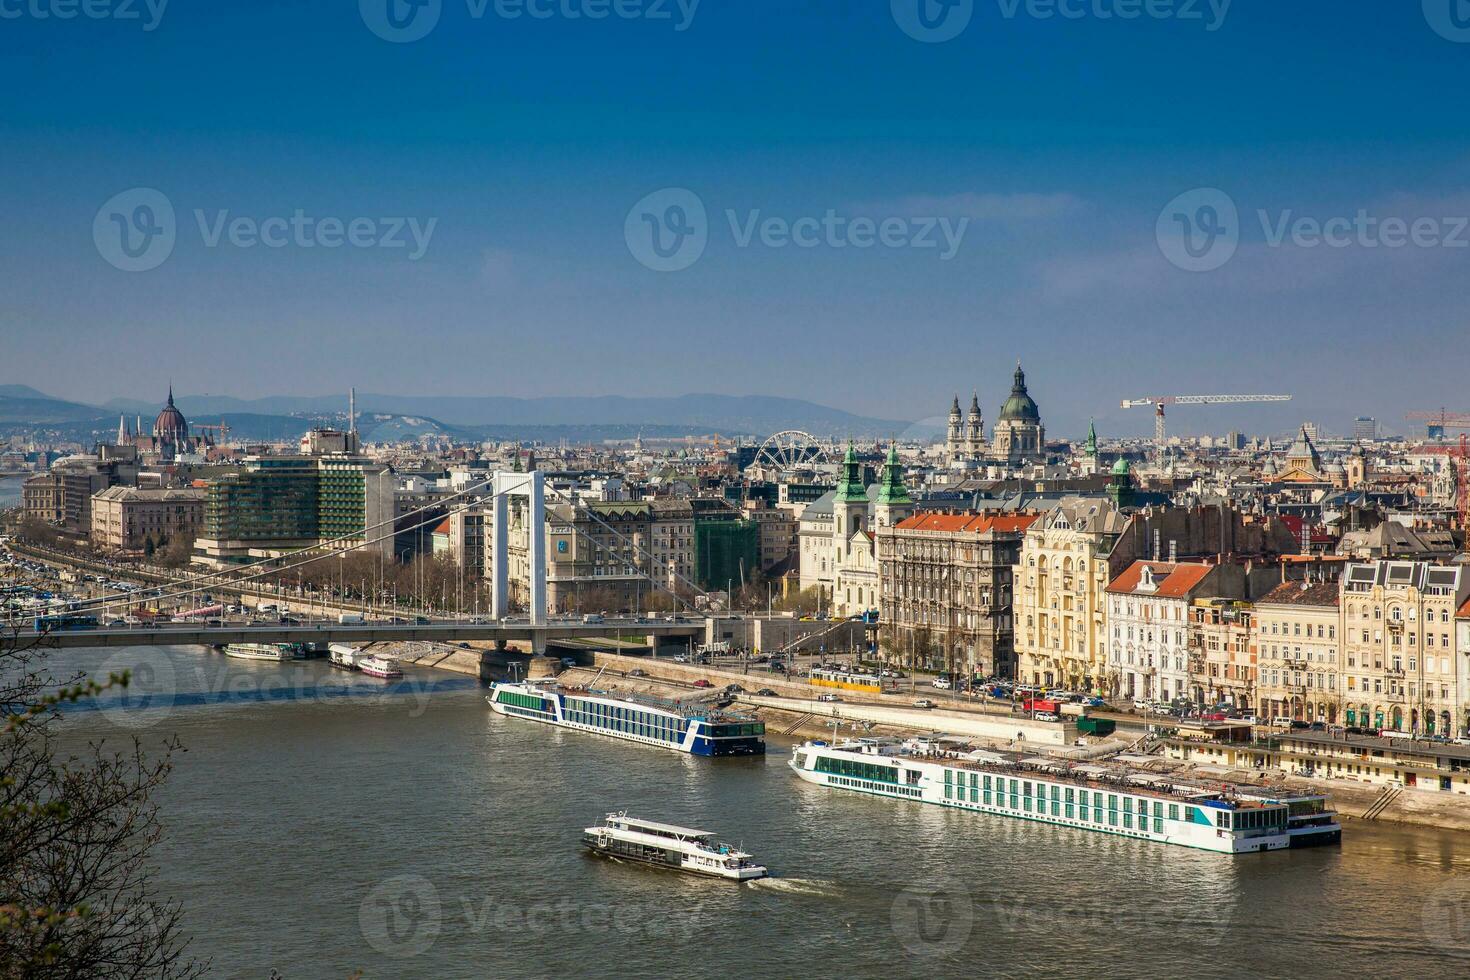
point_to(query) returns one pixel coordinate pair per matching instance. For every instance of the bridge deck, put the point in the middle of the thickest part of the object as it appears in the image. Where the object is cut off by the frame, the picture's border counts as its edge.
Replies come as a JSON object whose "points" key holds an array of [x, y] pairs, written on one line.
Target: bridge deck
{"points": [[359, 634]]}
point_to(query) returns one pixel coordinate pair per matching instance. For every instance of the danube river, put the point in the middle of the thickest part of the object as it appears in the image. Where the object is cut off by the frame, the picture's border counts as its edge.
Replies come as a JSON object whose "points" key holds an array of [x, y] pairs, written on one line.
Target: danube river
{"points": [[321, 823]]}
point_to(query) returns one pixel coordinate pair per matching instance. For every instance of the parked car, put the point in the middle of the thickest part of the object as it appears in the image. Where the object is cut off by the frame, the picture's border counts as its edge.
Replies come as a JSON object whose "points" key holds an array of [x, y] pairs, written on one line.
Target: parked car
{"points": [[734, 689], [923, 703], [941, 683], [828, 697], [702, 683], [637, 672], [765, 692]]}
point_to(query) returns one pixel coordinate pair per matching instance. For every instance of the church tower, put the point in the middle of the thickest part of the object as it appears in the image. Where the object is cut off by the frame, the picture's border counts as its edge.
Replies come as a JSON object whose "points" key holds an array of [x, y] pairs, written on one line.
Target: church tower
{"points": [[1090, 465], [974, 430], [850, 507], [894, 503], [953, 440]]}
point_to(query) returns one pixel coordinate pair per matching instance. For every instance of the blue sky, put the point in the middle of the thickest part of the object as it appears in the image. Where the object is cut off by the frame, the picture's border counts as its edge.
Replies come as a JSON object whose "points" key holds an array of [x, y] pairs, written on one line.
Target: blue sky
{"points": [[527, 141]]}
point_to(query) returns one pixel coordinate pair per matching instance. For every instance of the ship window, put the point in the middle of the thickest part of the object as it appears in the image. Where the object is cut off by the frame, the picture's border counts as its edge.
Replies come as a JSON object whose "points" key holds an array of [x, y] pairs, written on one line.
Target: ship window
{"points": [[1158, 826], [1173, 811], [1128, 820]]}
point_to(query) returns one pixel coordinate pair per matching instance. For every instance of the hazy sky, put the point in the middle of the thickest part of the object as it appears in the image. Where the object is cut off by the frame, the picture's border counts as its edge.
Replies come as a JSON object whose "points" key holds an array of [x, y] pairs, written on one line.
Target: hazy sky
{"points": [[519, 146]]}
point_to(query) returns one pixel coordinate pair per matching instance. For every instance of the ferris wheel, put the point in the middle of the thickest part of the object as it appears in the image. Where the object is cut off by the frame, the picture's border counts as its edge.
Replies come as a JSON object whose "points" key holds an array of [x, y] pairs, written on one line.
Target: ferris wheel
{"points": [[790, 449]]}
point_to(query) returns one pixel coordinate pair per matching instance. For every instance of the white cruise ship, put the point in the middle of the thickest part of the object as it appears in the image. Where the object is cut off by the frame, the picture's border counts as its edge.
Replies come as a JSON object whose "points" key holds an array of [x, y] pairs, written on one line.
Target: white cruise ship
{"points": [[1104, 799], [667, 846], [683, 727]]}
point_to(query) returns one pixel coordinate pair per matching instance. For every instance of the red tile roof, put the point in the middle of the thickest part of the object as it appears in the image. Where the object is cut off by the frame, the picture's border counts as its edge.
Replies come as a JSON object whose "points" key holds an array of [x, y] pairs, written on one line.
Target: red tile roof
{"points": [[1175, 580], [1464, 611], [972, 523], [443, 527]]}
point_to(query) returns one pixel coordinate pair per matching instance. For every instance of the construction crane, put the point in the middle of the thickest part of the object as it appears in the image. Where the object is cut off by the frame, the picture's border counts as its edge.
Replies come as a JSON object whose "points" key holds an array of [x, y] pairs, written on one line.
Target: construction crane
{"points": [[1159, 401], [1437, 422], [223, 428]]}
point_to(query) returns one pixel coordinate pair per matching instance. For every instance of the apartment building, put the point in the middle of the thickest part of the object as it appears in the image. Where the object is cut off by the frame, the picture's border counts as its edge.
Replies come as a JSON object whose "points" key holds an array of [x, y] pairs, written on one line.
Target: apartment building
{"points": [[1061, 578], [1149, 624], [1299, 653], [1399, 635], [945, 586]]}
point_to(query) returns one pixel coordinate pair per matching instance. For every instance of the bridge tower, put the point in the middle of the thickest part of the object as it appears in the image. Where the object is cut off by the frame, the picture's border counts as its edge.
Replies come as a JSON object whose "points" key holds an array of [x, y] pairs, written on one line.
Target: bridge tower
{"points": [[529, 485]]}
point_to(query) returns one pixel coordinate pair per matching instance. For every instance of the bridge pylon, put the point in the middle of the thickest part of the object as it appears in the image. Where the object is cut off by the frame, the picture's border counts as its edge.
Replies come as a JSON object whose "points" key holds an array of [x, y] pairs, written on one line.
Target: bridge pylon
{"points": [[531, 486]]}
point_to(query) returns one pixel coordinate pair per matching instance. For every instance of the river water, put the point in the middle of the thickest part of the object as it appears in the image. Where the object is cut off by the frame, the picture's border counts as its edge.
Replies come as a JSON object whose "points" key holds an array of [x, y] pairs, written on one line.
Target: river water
{"points": [[320, 823]]}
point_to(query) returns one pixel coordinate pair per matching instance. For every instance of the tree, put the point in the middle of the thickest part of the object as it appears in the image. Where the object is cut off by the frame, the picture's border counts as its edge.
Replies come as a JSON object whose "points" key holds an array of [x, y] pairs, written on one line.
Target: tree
{"points": [[76, 831]]}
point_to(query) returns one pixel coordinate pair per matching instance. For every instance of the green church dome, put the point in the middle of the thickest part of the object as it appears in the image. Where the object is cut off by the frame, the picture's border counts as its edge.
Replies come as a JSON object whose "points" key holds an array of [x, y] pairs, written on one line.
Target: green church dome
{"points": [[1019, 407]]}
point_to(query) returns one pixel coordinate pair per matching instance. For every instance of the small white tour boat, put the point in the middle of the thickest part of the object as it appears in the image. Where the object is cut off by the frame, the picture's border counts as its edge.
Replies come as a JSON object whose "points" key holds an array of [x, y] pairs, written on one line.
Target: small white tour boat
{"points": [[667, 846]]}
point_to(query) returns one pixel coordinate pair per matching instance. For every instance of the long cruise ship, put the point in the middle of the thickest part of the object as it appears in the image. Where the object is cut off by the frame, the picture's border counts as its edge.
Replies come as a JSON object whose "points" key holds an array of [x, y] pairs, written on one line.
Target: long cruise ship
{"points": [[683, 727], [1103, 799]]}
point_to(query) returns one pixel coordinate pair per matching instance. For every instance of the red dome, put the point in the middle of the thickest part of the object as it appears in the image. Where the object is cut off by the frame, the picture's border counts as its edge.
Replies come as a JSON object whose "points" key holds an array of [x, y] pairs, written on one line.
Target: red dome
{"points": [[171, 426]]}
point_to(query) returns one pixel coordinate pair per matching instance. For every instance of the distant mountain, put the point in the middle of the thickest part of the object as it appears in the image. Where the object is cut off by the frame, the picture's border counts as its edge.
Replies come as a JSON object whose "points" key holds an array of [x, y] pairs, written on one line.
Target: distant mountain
{"points": [[755, 415], [31, 407]]}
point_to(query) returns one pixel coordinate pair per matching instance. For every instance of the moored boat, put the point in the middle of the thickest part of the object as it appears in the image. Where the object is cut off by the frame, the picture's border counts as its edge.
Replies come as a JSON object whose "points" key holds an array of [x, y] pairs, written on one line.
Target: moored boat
{"points": [[344, 655], [668, 846], [380, 667], [1097, 797], [696, 728], [273, 652]]}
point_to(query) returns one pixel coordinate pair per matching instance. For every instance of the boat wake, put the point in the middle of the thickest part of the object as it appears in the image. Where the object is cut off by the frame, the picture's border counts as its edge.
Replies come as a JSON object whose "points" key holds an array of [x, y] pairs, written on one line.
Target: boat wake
{"points": [[797, 886]]}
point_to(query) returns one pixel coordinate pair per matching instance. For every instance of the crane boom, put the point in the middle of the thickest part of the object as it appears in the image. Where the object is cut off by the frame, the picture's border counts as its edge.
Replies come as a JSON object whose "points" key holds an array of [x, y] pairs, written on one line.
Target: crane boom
{"points": [[1202, 400], [1157, 402]]}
